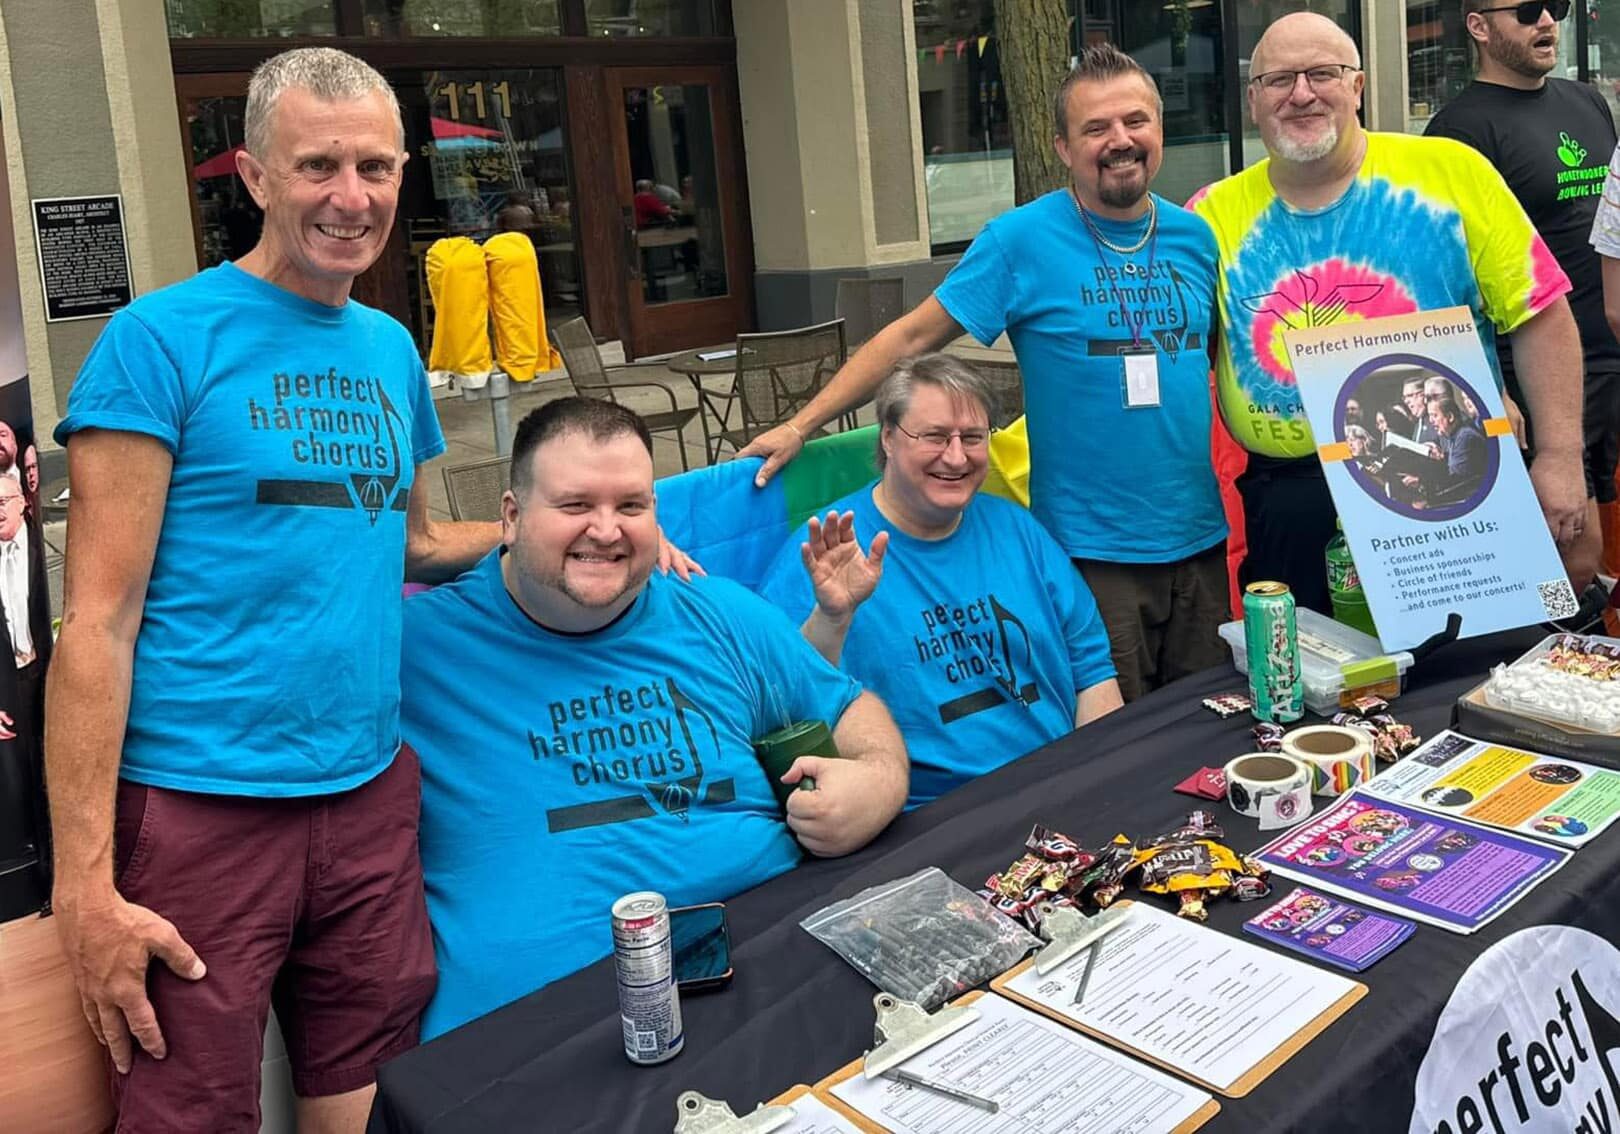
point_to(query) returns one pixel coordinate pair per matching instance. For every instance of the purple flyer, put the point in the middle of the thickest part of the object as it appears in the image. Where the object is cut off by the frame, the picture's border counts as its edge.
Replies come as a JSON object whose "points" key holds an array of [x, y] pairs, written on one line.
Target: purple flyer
{"points": [[1442, 871], [1329, 930]]}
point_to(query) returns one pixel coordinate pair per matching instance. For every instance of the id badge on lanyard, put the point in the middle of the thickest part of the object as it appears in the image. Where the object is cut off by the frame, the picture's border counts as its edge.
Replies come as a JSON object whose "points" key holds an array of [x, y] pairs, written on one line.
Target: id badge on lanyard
{"points": [[1139, 377]]}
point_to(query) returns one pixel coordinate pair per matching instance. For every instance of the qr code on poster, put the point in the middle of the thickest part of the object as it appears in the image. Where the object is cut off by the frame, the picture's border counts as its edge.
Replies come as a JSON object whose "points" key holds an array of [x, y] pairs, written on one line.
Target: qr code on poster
{"points": [[1558, 598]]}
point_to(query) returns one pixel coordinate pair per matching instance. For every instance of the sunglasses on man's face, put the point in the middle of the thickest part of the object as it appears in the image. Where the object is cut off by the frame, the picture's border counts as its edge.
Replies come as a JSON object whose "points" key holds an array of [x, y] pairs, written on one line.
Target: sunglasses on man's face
{"points": [[1529, 13]]}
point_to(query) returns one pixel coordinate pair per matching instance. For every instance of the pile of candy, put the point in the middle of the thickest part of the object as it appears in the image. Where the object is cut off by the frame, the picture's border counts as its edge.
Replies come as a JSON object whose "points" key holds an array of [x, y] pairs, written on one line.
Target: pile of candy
{"points": [[1189, 862], [1576, 680], [1055, 869], [1391, 739], [1584, 657]]}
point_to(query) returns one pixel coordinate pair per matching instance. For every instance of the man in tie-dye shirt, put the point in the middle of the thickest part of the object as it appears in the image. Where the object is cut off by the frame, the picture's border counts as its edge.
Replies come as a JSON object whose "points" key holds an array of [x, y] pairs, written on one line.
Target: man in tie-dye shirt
{"points": [[1341, 225]]}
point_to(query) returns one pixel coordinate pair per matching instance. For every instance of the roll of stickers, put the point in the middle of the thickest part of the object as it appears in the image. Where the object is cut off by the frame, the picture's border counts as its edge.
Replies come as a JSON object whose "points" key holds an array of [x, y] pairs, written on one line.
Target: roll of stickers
{"points": [[1339, 758], [1271, 788]]}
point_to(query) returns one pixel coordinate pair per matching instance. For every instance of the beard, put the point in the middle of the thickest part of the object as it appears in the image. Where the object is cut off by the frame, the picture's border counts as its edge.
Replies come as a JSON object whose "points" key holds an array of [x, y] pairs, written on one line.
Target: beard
{"points": [[1123, 195], [1516, 56], [556, 579], [1314, 150]]}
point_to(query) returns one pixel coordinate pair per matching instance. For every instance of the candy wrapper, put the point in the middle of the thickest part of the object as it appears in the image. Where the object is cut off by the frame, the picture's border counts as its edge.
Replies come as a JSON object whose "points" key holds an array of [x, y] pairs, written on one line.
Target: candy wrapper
{"points": [[1268, 736], [1391, 739], [1225, 705], [1192, 863]]}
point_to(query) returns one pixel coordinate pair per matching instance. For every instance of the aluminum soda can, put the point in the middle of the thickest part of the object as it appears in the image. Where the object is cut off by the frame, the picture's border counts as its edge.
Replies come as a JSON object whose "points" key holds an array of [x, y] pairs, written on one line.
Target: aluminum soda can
{"points": [[644, 961], [1271, 639]]}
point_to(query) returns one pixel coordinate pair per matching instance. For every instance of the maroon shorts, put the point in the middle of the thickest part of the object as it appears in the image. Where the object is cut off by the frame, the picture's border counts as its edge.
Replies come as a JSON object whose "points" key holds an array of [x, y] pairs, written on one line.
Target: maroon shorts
{"points": [[312, 904]]}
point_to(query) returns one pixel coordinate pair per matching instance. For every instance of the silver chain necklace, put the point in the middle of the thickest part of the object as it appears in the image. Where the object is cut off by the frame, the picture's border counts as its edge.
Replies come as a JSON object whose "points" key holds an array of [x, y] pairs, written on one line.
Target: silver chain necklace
{"points": [[1122, 250]]}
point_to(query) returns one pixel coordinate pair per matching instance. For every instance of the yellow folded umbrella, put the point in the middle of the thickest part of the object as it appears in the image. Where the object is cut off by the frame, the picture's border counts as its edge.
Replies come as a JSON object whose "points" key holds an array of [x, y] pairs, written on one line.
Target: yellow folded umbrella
{"points": [[459, 286], [521, 345]]}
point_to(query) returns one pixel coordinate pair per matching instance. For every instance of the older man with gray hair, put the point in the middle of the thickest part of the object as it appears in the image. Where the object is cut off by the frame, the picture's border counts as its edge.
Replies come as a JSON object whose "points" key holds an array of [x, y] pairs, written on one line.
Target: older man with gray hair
{"points": [[981, 638], [222, 719]]}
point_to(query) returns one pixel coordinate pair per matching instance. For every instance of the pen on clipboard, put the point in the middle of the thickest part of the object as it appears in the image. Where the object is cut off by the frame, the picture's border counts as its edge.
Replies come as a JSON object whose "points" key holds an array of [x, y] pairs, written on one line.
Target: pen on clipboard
{"points": [[949, 1090], [1085, 974], [1091, 960]]}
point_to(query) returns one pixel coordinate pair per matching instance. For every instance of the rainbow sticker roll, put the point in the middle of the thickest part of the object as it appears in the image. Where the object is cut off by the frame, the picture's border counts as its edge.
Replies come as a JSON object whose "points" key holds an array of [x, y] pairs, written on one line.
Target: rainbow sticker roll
{"points": [[1339, 758]]}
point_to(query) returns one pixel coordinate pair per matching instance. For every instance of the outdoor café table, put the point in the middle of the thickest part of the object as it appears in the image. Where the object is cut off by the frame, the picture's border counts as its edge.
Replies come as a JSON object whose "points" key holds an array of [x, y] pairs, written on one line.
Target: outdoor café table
{"points": [[713, 402], [554, 1060]]}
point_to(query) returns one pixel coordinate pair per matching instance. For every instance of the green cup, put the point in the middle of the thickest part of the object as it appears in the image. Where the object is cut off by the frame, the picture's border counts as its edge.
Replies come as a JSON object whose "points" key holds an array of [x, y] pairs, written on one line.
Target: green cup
{"points": [[776, 752]]}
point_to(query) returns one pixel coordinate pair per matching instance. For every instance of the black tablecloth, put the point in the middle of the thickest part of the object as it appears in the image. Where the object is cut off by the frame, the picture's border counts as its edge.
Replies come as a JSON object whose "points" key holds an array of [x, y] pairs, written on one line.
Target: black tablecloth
{"points": [[554, 1060]]}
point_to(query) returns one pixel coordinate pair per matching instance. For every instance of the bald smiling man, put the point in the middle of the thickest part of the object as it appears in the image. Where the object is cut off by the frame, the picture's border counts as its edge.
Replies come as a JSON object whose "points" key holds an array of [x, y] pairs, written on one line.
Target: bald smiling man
{"points": [[1341, 224]]}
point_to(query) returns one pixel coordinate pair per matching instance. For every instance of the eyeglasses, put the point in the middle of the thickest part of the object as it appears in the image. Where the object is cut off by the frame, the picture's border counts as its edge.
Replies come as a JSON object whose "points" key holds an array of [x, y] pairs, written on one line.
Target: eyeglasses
{"points": [[938, 440], [1320, 77], [1529, 13]]}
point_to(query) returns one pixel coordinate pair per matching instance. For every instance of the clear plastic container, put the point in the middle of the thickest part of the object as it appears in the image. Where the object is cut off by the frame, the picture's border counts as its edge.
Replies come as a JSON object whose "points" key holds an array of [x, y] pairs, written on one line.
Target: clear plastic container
{"points": [[1560, 697], [1325, 648]]}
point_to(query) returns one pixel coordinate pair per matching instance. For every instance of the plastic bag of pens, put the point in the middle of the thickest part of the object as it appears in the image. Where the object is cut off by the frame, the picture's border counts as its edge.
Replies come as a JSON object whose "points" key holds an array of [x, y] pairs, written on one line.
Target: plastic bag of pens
{"points": [[922, 938]]}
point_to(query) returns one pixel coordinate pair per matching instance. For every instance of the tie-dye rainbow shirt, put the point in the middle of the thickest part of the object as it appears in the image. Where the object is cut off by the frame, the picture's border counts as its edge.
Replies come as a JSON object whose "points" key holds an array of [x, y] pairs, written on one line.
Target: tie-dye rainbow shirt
{"points": [[1428, 223]]}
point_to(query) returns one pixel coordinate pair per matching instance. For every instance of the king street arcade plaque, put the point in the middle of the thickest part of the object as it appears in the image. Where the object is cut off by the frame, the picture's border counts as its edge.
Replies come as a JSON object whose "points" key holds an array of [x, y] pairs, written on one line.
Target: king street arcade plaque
{"points": [[83, 259]]}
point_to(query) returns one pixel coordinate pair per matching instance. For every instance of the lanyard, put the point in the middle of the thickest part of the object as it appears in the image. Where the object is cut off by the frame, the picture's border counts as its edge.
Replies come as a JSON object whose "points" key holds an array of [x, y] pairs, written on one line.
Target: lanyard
{"points": [[1131, 325]]}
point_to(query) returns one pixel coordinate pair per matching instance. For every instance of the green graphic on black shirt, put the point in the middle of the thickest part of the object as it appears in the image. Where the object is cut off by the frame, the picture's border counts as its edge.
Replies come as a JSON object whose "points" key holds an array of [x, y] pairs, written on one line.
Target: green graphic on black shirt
{"points": [[1574, 181], [980, 644], [648, 738], [355, 443]]}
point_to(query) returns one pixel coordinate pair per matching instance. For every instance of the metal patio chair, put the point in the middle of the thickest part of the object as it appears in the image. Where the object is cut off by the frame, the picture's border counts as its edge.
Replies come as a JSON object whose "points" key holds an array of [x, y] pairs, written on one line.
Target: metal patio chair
{"points": [[474, 490], [593, 379], [868, 305], [778, 372]]}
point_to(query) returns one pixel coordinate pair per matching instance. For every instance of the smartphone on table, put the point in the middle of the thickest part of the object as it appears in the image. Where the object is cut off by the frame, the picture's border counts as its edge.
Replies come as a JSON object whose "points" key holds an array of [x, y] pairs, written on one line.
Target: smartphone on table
{"points": [[702, 946]]}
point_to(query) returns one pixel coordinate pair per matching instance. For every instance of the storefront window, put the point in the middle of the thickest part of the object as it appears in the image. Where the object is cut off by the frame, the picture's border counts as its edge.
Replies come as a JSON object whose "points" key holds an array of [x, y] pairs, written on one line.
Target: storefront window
{"points": [[967, 142], [239, 19], [401, 18], [651, 17], [488, 154], [1179, 44], [675, 208], [229, 221], [1602, 47], [1439, 62]]}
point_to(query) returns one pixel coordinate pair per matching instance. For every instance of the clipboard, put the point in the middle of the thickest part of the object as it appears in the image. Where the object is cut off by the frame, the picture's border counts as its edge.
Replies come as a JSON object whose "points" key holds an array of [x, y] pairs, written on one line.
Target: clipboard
{"points": [[823, 1090], [1244, 1084]]}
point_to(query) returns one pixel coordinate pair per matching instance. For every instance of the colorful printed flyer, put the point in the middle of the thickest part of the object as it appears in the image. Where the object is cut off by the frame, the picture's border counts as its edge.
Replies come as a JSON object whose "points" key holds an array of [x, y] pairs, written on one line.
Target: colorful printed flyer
{"points": [[1437, 507], [1547, 797], [1442, 871], [1329, 930]]}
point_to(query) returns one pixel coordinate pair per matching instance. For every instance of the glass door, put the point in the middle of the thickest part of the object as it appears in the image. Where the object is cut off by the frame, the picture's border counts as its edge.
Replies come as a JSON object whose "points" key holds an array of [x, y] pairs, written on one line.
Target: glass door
{"points": [[688, 280]]}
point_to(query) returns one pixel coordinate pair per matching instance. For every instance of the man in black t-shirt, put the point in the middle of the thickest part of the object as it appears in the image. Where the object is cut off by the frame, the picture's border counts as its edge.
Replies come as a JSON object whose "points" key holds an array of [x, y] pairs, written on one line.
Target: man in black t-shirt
{"points": [[1551, 140]]}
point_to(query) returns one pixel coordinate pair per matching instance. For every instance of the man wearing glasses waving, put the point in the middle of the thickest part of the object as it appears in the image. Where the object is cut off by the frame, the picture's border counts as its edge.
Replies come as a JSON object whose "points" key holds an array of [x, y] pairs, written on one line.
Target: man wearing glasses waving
{"points": [[1106, 292], [1340, 224], [1551, 140], [981, 638]]}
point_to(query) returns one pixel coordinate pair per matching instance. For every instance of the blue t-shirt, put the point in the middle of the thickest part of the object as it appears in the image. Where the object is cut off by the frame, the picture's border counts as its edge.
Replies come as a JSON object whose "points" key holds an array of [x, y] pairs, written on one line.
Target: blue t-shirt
{"points": [[267, 662], [952, 624], [1110, 483], [561, 772]]}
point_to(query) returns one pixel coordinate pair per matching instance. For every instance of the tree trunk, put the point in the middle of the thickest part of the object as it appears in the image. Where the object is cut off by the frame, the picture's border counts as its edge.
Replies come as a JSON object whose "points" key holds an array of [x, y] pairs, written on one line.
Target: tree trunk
{"points": [[1032, 37]]}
